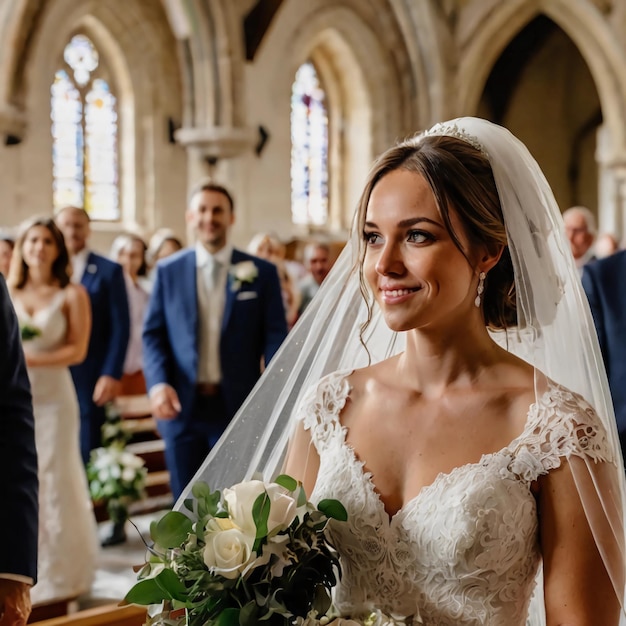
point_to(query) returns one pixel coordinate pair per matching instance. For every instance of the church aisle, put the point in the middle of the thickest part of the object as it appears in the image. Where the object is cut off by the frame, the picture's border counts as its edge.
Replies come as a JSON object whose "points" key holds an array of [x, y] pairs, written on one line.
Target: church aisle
{"points": [[114, 574]]}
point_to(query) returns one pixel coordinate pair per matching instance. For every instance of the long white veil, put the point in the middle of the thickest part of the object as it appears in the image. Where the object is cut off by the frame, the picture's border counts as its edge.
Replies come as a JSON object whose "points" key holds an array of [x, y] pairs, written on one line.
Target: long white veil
{"points": [[555, 333]]}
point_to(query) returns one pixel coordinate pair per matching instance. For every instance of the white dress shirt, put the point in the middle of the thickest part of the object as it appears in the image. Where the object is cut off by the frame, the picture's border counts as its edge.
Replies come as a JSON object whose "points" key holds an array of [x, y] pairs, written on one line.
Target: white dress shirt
{"points": [[211, 301], [79, 264]]}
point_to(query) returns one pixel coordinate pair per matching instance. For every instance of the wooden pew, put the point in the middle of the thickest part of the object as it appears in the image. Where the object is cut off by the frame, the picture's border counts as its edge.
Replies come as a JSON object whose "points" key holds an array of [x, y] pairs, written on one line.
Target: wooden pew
{"points": [[106, 615]]}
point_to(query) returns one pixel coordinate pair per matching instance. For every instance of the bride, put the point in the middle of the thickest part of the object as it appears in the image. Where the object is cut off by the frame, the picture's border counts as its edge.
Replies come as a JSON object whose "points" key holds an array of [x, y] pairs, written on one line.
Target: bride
{"points": [[57, 314], [453, 397]]}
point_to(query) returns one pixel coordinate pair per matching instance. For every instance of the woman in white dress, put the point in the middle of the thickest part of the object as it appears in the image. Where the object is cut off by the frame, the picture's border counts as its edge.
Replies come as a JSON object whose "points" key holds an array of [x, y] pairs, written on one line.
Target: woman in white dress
{"points": [[57, 313], [477, 457]]}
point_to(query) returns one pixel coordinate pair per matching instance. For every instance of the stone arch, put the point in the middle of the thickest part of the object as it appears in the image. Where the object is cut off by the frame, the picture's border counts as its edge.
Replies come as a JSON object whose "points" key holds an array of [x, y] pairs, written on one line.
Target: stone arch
{"points": [[370, 97], [585, 26], [597, 42], [136, 43]]}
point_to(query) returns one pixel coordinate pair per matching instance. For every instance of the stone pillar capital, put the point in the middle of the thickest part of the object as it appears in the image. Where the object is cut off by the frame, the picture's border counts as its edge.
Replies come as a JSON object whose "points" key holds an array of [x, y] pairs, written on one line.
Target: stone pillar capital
{"points": [[217, 142]]}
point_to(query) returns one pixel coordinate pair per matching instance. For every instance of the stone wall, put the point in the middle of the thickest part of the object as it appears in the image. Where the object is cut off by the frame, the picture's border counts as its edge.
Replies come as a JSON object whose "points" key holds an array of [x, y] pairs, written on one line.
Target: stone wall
{"points": [[390, 67]]}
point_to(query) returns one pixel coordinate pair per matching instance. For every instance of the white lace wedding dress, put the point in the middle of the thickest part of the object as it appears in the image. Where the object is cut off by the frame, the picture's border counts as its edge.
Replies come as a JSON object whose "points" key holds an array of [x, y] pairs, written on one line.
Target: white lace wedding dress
{"points": [[465, 550], [68, 541]]}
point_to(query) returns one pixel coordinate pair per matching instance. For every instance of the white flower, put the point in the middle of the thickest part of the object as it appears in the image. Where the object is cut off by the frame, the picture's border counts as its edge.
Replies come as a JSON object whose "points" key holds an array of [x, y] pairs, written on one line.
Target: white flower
{"points": [[131, 460], [243, 272], [227, 552], [128, 474], [240, 500]]}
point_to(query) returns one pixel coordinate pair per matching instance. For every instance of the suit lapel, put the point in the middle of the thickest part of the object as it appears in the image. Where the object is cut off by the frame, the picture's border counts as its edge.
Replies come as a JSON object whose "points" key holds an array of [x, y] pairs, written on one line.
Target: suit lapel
{"points": [[91, 269], [190, 292], [230, 293]]}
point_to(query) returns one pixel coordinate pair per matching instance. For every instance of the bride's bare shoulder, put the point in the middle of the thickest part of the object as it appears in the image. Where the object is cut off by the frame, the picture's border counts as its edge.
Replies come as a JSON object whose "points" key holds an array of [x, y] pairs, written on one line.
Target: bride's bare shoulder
{"points": [[378, 378]]}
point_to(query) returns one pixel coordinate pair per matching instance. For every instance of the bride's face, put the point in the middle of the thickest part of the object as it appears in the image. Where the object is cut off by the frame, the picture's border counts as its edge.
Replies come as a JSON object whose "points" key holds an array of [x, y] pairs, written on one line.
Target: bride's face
{"points": [[418, 276], [39, 248]]}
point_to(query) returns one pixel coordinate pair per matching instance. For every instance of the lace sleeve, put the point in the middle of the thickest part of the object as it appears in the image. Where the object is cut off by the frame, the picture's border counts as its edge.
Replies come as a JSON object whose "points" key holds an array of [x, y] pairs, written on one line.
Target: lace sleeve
{"points": [[321, 404], [563, 424]]}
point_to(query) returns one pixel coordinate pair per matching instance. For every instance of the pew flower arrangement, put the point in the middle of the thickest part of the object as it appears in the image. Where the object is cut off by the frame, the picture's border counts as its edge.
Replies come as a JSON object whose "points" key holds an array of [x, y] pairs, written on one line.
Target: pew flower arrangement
{"points": [[115, 475], [256, 553]]}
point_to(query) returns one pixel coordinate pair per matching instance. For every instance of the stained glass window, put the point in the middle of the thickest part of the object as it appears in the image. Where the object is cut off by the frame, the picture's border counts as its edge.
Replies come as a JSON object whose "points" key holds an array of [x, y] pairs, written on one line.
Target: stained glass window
{"points": [[84, 134], [309, 149]]}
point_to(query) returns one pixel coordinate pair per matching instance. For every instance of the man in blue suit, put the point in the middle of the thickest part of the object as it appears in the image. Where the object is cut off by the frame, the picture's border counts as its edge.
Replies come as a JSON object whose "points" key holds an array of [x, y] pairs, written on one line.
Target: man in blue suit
{"points": [[97, 378], [18, 474], [604, 281], [215, 313]]}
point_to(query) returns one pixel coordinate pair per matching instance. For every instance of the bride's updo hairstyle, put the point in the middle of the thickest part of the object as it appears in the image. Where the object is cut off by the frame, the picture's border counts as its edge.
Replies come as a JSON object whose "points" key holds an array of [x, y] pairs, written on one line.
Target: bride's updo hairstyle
{"points": [[461, 179], [18, 272]]}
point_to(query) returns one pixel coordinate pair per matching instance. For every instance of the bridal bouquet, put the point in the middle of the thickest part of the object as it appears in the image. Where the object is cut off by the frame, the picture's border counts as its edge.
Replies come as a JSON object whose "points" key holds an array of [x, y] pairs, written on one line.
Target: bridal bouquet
{"points": [[28, 332], [256, 553]]}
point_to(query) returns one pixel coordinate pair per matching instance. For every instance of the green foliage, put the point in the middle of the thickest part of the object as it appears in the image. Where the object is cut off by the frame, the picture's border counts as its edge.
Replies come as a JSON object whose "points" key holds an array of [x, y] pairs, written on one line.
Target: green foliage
{"points": [[172, 530]]}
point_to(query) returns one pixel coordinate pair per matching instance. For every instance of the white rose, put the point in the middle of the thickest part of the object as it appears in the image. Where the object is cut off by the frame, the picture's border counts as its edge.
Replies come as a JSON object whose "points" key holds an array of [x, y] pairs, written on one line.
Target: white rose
{"points": [[240, 500], [227, 552], [131, 460]]}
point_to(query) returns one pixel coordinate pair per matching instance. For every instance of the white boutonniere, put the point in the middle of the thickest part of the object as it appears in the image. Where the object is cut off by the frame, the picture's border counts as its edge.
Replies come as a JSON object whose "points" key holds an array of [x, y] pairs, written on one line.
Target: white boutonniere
{"points": [[92, 268], [243, 272]]}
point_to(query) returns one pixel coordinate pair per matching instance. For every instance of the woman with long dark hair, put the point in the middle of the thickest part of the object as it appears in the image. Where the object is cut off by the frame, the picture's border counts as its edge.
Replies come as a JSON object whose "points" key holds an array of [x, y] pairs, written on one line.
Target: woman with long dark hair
{"points": [[56, 321]]}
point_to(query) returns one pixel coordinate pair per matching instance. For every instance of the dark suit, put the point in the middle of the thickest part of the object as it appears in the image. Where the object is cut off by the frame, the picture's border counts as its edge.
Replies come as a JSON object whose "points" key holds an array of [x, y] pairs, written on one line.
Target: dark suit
{"points": [[110, 329], [604, 282], [253, 326], [18, 458]]}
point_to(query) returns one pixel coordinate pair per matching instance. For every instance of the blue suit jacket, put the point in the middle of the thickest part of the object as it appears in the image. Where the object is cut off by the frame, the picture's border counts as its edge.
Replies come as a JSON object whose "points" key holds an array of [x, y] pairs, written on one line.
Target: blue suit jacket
{"points": [[18, 458], [253, 326], [604, 282], [110, 327]]}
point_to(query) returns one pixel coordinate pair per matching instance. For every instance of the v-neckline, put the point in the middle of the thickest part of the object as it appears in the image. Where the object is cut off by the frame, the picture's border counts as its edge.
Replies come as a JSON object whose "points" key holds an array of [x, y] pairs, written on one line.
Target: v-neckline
{"points": [[367, 475], [32, 316]]}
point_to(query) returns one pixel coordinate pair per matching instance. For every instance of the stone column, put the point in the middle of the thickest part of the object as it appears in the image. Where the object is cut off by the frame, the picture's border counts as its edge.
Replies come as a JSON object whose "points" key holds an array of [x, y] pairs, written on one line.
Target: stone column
{"points": [[611, 186]]}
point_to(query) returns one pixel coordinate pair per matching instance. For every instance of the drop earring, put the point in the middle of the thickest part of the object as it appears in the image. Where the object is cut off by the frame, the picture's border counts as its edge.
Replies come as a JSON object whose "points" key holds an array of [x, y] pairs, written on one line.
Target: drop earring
{"points": [[481, 288]]}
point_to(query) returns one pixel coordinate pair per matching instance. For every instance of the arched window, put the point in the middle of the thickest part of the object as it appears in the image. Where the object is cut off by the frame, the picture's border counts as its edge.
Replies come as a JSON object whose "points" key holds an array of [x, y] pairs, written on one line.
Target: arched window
{"points": [[84, 134], [309, 149]]}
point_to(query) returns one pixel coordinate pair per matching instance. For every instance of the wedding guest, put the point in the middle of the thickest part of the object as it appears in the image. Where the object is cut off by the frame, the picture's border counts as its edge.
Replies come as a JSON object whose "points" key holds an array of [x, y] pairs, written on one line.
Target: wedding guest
{"points": [[162, 244], [269, 247], [97, 378], [317, 262], [129, 251], [18, 474], [603, 282], [7, 243], [214, 313], [580, 228], [58, 317]]}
